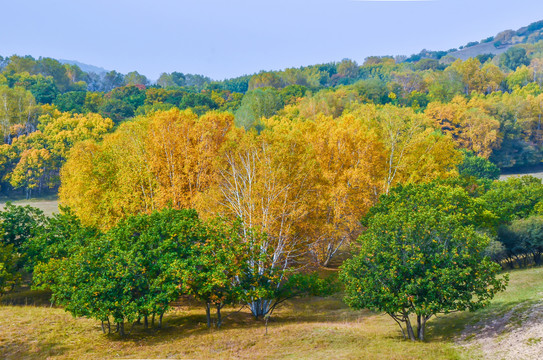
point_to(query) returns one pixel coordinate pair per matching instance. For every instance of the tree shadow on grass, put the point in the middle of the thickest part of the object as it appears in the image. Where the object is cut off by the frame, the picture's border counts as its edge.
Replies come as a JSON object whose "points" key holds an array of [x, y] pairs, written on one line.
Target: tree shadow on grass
{"points": [[180, 324], [23, 349]]}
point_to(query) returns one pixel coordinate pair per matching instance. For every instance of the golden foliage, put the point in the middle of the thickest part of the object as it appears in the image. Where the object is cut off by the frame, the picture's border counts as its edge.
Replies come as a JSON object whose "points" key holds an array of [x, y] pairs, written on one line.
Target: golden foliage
{"points": [[468, 123], [303, 183], [164, 160]]}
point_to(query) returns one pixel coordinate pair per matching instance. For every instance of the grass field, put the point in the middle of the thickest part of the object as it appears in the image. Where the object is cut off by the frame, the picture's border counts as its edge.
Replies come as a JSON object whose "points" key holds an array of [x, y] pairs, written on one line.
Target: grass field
{"points": [[316, 328], [48, 205], [536, 172]]}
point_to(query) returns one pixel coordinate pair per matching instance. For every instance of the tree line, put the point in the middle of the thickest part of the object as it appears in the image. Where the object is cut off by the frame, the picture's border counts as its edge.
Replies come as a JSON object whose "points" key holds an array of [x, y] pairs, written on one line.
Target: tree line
{"points": [[424, 249], [490, 106]]}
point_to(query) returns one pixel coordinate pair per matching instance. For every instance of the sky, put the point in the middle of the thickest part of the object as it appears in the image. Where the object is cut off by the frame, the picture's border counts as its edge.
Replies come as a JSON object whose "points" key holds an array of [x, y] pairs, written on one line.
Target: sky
{"points": [[229, 38]]}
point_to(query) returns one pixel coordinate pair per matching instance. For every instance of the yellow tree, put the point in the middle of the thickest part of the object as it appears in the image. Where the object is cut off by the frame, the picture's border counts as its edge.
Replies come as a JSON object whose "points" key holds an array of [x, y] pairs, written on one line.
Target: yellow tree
{"points": [[17, 106], [414, 151], [266, 181], [493, 78], [534, 125], [350, 160], [31, 170], [469, 124], [470, 73], [84, 183], [181, 150], [164, 160], [480, 132], [328, 102], [63, 130]]}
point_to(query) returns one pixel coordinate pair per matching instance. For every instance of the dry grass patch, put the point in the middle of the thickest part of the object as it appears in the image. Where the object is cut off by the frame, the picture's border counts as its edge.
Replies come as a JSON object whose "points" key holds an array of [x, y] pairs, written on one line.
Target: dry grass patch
{"points": [[310, 329], [48, 205]]}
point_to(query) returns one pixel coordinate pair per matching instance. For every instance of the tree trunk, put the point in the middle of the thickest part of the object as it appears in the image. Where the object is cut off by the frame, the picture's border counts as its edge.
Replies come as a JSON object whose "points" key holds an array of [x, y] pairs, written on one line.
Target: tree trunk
{"points": [[219, 318], [409, 328], [519, 262], [121, 328], [145, 322], [421, 326], [399, 322], [537, 258], [160, 320], [208, 315], [260, 307]]}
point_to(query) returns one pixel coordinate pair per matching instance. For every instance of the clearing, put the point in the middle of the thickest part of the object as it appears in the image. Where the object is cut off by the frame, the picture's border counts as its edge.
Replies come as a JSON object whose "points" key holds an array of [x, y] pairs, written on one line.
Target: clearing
{"points": [[48, 205]]}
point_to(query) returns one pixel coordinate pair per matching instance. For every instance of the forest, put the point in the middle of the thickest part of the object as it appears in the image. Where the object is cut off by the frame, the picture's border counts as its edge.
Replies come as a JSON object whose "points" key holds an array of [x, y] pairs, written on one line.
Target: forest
{"points": [[377, 181]]}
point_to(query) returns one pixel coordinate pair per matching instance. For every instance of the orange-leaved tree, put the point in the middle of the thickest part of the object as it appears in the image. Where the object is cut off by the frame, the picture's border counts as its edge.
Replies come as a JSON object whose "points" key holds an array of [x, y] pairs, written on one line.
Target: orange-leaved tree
{"points": [[163, 160]]}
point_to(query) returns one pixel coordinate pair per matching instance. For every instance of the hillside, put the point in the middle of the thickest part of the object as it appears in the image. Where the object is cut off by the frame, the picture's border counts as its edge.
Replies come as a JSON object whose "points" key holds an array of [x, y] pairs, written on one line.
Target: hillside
{"points": [[479, 49], [493, 45]]}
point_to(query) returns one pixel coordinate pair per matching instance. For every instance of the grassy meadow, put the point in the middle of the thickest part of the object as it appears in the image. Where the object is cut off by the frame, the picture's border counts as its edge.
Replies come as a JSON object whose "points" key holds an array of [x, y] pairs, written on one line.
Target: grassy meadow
{"points": [[315, 328], [48, 204]]}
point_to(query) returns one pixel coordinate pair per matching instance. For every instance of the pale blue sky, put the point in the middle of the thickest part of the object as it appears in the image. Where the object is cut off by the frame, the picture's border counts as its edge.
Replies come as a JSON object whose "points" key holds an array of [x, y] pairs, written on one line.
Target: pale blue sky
{"points": [[230, 38]]}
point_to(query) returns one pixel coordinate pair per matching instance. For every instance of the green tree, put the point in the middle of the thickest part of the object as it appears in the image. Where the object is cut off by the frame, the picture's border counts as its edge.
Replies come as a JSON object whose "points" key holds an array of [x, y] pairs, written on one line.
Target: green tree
{"points": [[9, 275], [478, 167], [134, 270], [421, 256], [514, 57], [55, 237], [257, 104], [135, 78], [72, 101], [112, 80], [513, 198], [216, 265], [20, 223], [523, 238], [44, 90]]}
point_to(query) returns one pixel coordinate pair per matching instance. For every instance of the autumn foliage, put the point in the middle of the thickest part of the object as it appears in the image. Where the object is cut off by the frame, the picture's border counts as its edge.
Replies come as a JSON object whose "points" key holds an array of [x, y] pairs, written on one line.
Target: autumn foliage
{"points": [[302, 182]]}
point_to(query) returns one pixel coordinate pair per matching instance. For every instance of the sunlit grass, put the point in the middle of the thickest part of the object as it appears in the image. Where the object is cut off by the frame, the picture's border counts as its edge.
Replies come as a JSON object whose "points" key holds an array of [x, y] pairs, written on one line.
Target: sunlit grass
{"points": [[312, 329], [47, 204], [316, 328]]}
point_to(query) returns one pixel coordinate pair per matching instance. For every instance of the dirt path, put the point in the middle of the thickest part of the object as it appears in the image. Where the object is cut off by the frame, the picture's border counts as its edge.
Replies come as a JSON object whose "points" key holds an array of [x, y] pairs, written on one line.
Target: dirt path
{"points": [[518, 334]]}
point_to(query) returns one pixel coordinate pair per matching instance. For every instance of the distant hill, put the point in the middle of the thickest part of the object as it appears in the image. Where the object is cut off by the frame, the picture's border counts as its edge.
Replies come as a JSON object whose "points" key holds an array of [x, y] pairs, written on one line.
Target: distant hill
{"points": [[479, 49], [501, 42], [85, 67], [494, 45]]}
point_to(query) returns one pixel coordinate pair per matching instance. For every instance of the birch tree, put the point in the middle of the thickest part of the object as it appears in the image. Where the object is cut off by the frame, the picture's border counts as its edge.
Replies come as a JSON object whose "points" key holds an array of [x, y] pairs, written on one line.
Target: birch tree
{"points": [[266, 182]]}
